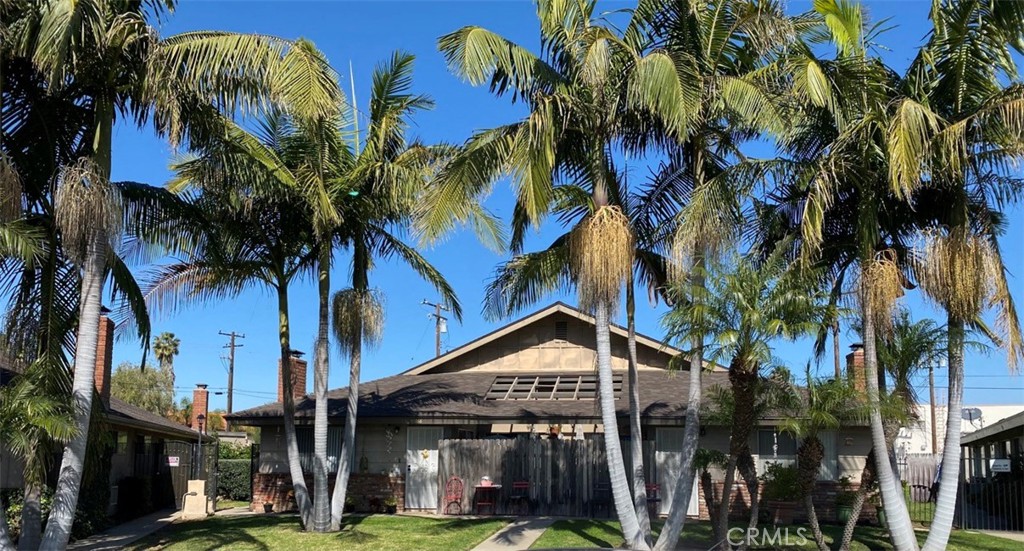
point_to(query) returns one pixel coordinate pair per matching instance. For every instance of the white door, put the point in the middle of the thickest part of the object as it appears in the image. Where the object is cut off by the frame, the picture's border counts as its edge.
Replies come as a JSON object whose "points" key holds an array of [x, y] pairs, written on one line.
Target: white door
{"points": [[421, 465], [668, 458]]}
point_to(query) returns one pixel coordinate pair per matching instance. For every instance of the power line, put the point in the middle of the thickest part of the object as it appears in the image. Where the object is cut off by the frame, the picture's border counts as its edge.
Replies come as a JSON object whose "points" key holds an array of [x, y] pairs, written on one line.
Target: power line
{"points": [[232, 345]]}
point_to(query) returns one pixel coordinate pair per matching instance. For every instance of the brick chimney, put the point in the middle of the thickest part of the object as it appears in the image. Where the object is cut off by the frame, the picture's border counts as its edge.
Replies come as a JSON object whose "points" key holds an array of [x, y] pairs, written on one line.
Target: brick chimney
{"points": [[298, 368], [855, 367], [104, 358], [200, 406]]}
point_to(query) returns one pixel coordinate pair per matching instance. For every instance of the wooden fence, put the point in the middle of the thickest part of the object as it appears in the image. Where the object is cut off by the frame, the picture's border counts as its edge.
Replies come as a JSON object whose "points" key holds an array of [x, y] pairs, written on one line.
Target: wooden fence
{"points": [[562, 474]]}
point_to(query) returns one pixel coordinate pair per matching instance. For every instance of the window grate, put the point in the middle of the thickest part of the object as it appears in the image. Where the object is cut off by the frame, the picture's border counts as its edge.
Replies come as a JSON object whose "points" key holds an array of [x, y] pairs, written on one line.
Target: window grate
{"points": [[548, 387], [561, 330]]}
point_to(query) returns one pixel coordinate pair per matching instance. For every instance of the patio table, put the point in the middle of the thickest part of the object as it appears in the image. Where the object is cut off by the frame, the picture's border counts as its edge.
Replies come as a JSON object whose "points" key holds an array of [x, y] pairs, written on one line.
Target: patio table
{"points": [[486, 496]]}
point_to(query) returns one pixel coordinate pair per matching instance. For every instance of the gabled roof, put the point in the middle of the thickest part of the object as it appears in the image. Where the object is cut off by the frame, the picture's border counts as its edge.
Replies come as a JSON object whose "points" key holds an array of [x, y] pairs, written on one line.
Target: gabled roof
{"points": [[556, 308]]}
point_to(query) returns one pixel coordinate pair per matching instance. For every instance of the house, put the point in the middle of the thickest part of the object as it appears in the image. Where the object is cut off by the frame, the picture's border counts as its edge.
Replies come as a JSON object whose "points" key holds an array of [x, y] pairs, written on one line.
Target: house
{"points": [[150, 457], [531, 380]]}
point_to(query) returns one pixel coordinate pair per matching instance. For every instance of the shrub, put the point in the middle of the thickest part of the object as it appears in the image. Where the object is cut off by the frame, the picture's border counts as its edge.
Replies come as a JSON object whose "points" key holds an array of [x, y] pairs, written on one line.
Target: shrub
{"points": [[234, 480], [234, 451], [780, 482]]}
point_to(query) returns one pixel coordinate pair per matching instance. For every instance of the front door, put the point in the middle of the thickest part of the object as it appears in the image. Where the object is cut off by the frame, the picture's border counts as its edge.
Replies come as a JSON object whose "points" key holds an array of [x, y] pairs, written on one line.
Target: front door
{"points": [[668, 459], [421, 465]]}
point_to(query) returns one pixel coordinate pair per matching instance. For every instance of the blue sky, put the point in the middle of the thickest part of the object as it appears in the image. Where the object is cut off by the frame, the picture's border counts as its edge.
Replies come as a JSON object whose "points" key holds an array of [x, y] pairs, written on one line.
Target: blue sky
{"points": [[365, 33]]}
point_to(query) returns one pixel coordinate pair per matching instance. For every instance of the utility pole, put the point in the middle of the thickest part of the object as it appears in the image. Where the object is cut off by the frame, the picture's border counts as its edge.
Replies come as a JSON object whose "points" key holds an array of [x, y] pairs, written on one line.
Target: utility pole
{"points": [[931, 405], [440, 324], [231, 362]]}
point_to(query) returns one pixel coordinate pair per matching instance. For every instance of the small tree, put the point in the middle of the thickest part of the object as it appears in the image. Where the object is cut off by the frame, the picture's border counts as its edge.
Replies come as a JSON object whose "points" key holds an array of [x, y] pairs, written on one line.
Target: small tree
{"points": [[149, 389]]}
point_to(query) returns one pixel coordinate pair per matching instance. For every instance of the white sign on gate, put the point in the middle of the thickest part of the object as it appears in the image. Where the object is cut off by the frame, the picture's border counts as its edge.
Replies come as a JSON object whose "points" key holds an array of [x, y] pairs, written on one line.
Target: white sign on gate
{"points": [[173, 460], [999, 465]]}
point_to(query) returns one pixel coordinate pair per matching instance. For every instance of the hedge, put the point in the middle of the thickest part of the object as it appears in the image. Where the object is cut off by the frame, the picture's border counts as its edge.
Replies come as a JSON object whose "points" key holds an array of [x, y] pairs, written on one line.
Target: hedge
{"points": [[234, 480]]}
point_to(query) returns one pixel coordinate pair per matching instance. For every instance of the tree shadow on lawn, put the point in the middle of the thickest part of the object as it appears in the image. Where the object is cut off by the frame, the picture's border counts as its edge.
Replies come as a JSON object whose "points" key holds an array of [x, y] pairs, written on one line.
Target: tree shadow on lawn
{"points": [[609, 537], [213, 533]]}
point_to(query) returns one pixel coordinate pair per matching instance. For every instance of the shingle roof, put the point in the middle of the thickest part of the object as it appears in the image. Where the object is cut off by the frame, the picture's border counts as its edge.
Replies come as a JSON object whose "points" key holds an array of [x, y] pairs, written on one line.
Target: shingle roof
{"points": [[460, 395]]}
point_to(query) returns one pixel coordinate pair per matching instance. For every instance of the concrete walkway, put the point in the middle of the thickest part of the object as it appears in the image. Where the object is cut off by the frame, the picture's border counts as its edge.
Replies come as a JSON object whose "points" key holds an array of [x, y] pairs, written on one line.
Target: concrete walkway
{"points": [[127, 533], [516, 536], [1015, 536]]}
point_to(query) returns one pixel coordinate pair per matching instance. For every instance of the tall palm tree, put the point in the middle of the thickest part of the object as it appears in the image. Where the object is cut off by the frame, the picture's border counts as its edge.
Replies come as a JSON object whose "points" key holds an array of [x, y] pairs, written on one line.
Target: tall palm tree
{"points": [[589, 82], [165, 348], [749, 305], [237, 239], [966, 135], [387, 176], [110, 53], [819, 406]]}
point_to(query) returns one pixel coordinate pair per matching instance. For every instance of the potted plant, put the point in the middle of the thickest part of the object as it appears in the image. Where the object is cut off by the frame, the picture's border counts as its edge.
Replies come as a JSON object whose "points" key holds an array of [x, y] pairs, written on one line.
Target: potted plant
{"points": [[350, 504], [390, 505], [845, 497], [880, 510], [781, 491], [268, 507]]}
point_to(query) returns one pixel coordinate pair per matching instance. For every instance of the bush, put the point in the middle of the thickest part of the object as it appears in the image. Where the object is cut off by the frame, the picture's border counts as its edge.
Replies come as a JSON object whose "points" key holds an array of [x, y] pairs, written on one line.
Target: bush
{"points": [[234, 479], [234, 451], [780, 482]]}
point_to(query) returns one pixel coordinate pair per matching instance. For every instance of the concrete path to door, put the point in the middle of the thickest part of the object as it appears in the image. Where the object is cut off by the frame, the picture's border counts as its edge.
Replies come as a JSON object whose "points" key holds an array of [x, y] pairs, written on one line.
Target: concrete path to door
{"points": [[123, 534], [519, 535], [1015, 536]]}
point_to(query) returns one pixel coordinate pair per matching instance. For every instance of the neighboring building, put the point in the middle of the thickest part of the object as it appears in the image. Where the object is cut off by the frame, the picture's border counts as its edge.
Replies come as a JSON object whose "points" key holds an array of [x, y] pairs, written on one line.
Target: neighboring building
{"points": [[147, 452], [992, 477], [533, 378], [917, 438]]}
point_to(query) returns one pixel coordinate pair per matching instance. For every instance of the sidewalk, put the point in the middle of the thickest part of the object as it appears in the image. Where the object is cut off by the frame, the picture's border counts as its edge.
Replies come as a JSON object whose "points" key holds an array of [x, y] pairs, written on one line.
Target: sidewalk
{"points": [[519, 535], [1015, 536], [124, 534]]}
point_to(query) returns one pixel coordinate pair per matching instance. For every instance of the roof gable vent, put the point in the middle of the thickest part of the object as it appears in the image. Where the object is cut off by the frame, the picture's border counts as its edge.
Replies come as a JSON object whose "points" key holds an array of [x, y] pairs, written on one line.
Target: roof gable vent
{"points": [[561, 330]]}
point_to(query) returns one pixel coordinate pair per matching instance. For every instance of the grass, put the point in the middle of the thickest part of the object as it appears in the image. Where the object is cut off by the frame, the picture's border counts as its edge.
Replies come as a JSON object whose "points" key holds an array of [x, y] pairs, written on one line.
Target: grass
{"points": [[590, 534], [921, 512], [230, 504], [375, 532]]}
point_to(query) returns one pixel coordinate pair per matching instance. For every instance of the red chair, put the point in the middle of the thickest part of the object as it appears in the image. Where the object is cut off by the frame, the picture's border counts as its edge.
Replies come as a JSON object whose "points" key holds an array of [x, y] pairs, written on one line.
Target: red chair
{"points": [[519, 500], [653, 499], [453, 495]]}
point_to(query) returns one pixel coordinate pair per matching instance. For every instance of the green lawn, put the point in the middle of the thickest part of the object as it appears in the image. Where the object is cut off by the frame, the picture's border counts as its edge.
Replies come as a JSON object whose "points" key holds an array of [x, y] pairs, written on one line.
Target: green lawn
{"points": [[376, 533], [230, 504], [594, 534]]}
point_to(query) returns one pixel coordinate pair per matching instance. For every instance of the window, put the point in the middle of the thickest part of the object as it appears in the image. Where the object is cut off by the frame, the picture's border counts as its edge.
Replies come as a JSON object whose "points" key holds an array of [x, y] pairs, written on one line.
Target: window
{"points": [[548, 387], [561, 330], [120, 442], [772, 443]]}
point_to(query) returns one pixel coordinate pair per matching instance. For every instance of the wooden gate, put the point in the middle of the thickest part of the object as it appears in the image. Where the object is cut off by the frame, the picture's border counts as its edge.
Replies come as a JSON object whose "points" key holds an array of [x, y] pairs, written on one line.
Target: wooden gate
{"points": [[563, 474]]}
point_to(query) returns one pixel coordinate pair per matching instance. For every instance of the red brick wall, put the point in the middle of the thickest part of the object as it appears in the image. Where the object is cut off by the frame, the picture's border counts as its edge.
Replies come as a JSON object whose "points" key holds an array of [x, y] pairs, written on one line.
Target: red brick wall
{"points": [[104, 358], [366, 490], [299, 367], [824, 502], [855, 368]]}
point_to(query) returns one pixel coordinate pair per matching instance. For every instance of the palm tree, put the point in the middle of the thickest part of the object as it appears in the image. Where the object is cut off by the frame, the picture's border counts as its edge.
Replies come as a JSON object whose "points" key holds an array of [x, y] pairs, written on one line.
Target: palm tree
{"points": [[749, 305], [238, 240], [589, 84], [820, 406], [109, 53], [964, 138], [389, 173], [525, 278], [165, 348]]}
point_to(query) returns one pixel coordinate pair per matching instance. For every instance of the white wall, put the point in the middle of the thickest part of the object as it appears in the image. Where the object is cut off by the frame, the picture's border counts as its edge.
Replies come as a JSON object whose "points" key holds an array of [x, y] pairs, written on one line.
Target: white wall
{"points": [[917, 437]]}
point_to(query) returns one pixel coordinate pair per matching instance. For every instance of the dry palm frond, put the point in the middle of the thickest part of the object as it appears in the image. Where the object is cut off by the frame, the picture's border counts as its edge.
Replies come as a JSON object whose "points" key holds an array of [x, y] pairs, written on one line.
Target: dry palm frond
{"points": [[601, 250], [10, 190], [957, 270], [86, 203], [881, 284], [357, 317]]}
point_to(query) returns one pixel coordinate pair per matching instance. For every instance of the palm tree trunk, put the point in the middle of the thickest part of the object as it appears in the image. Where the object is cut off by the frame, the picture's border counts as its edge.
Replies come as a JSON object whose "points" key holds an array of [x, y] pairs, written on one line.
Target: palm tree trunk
{"points": [[835, 350], [69, 481], [867, 480], [900, 529], [684, 486], [31, 518], [743, 381], [613, 451], [809, 457], [636, 442], [720, 526], [748, 470], [302, 500], [945, 504], [321, 498], [348, 446]]}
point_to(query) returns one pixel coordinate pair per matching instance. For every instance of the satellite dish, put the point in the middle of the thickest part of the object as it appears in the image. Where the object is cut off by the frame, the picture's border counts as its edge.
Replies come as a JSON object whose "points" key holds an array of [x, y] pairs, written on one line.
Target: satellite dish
{"points": [[971, 414]]}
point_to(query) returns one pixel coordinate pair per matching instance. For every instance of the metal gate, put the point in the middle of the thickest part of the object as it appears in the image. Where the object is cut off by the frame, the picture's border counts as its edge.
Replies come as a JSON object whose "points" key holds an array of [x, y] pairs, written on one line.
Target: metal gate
{"points": [[181, 458], [991, 495]]}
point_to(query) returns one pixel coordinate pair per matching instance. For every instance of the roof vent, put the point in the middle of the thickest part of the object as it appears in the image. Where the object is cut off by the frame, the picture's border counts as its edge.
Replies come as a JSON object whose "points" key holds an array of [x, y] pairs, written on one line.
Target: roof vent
{"points": [[561, 331]]}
